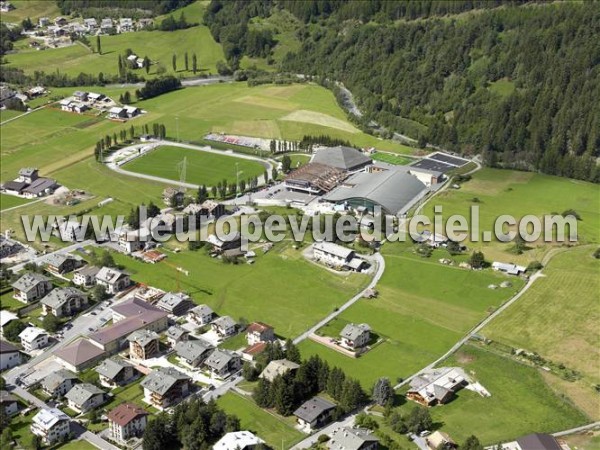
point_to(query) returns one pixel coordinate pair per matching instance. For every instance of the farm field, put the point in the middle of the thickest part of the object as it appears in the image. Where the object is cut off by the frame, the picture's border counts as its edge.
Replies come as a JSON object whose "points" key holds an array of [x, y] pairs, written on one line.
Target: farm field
{"points": [[566, 332], [280, 289], [521, 193], [520, 401], [159, 46], [33, 9], [202, 167], [423, 308], [10, 201], [276, 431]]}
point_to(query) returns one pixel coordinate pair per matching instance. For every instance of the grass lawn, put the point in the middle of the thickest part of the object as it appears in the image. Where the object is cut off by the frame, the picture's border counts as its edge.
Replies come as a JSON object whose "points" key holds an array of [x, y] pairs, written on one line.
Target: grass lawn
{"points": [[133, 393], [33, 9], [9, 201], [391, 159], [279, 286], [518, 194], [275, 430], [520, 403], [236, 342], [202, 167], [567, 330], [159, 46], [77, 445], [6, 114], [422, 309], [19, 426], [8, 302], [297, 160]]}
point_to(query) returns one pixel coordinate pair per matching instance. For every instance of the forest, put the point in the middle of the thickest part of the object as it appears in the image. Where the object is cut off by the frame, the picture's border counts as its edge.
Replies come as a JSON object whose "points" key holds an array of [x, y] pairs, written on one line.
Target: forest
{"points": [[518, 83], [157, 7]]}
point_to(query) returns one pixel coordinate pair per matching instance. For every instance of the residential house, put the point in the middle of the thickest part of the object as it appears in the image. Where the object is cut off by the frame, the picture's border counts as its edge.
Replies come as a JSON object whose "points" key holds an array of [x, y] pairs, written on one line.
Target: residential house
{"points": [[224, 326], [436, 386], [127, 421], [116, 112], [536, 441], [173, 196], [6, 6], [52, 425], [436, 240], [201, 314], [10, 356], [125, 25], [239, 440], [143, 344], [8, 404], [84, 397], [28, 174], [144, 22], [193, 352], [222, 363], [337, 256], [355, 336], [63, 302], [176, 334], [70, 231], [175, 303], [43, 21], [134, 241], [86, 276], [112, 279], [509, 268], [31, 287], [6, 317], [40, 187], [259, 332], [91, 24], [14, 187], [225, 246], [209, 208], [8, 247], [80, 96], [60, 263], [132, 111], [95, 97], [106, 25], [352, 438], [278, 367], [58, 383], [60, 21], [33, 338], [79, 355], [165, 387], [114, 372], [252, 351], [438, 440], [314, 413]]}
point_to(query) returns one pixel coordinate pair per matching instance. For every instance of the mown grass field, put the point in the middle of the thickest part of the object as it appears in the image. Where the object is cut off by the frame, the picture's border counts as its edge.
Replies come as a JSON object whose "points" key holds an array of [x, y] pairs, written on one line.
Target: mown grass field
{"points": [[159, 46], [33, 9], [202, 167], [275, 430], [280, 289], [519, 194], [10, 201], [520, 402], [391, 159], [558, 318], [423, 308]]}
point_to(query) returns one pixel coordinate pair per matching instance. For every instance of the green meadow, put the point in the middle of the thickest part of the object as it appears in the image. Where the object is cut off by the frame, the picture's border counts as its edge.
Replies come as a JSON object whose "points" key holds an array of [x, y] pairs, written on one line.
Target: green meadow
{"points": [[202, 167], [558, 318], [498, 192], [10, 201], [275, 430], [34, 9], [159, 46], [422, 309], [520, 402]]}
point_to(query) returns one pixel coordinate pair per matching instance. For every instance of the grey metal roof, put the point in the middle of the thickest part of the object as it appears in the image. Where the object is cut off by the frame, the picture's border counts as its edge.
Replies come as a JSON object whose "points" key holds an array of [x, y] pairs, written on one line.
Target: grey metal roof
{"points": [[162, 379], [346, 158], [347, 438], [58, 297], [55, 379], [6, 397], [225, 322], [313, 408], [40, 185], [278, 367], [111, 367], [7, 347], [334, 249], [80, 393], [392, 189], [88, 271], [109, 275], [192, 350], [175, 332], [538, 441], [352, 331], [56, 259], [29, 281], [219, 359], [142, 337], [171, 300], [202, 310]]}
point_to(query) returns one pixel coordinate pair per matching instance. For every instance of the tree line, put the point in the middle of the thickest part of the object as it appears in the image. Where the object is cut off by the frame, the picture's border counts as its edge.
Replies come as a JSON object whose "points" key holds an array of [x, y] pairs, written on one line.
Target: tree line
{"points": [[158, 86], [157, 7]]}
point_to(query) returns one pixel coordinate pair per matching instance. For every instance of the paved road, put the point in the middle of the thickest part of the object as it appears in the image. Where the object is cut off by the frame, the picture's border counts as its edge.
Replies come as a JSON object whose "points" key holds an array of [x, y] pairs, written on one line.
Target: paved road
{"points": [[223, 388], [266, 164], [186, 82], [22, 115], [380, 269], [589, 426], [41, 258]]}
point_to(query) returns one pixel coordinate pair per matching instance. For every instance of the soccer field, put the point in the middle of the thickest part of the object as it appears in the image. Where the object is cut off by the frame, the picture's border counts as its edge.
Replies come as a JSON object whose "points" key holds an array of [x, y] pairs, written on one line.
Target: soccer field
{"points": [[202, 167]]}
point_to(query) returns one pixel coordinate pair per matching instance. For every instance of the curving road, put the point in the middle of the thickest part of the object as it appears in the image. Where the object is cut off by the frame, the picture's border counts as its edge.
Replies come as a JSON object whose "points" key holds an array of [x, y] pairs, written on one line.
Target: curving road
{"points": [[380, 261], [113, 166]]}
